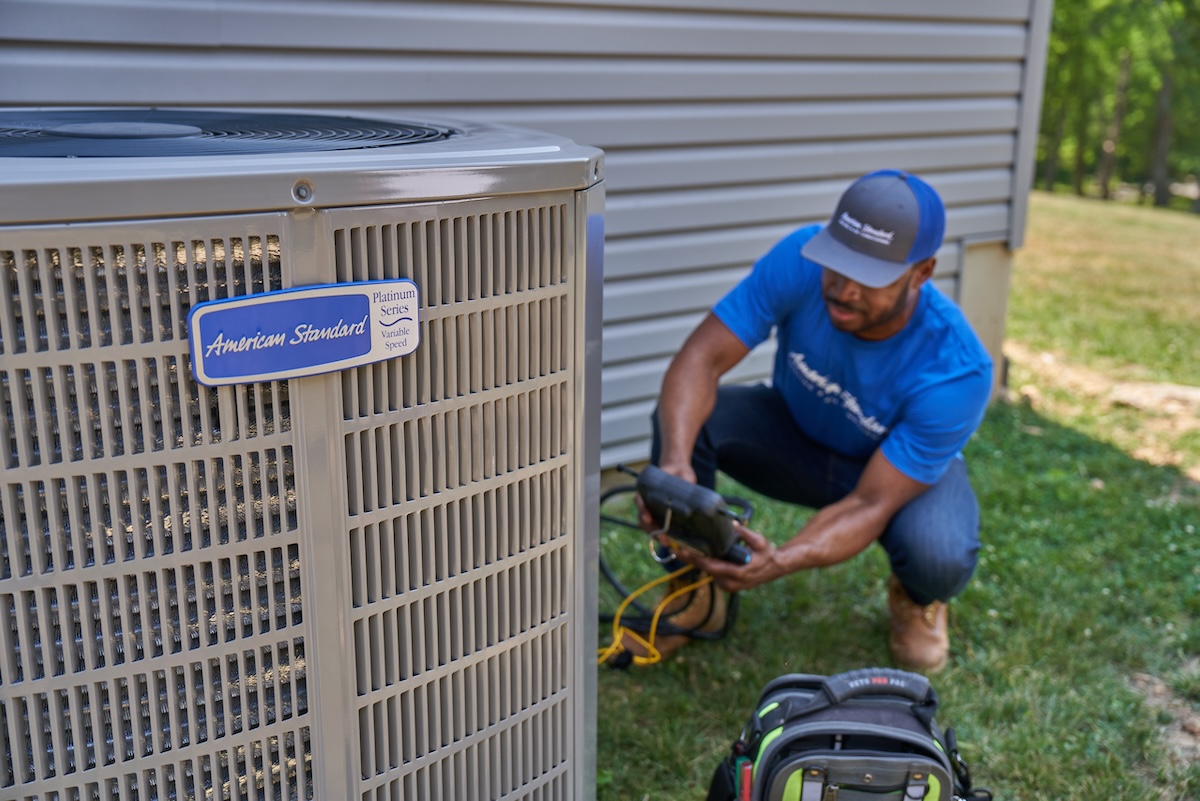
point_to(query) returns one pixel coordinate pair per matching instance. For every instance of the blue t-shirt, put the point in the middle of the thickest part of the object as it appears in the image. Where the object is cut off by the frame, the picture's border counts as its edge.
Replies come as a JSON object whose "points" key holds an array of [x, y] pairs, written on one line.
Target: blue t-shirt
{"points": [[918, 395]]}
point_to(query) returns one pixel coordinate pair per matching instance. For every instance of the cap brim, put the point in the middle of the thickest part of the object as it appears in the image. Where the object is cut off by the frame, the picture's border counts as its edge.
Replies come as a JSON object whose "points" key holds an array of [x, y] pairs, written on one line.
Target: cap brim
{"points": [[858, 267]]}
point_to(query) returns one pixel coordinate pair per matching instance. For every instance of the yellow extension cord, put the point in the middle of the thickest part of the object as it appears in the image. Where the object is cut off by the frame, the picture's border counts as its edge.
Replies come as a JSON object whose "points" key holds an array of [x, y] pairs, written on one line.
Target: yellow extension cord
{"points": [[652, 655]]}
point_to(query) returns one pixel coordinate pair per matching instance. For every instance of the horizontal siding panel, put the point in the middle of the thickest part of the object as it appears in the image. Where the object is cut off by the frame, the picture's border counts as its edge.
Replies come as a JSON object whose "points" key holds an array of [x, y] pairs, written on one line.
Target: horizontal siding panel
{"points": [[137, 22], [740, 164], [688, 252], [675, 125], [645, 339], [452, 27], [630, 453], [628, 214], [629, 419], [650, 297], [973, 187], [626, 421], [999, 10], [634, 381], [714, 208], [641, 380], [44, 74], [986, 223], [450, 80]]}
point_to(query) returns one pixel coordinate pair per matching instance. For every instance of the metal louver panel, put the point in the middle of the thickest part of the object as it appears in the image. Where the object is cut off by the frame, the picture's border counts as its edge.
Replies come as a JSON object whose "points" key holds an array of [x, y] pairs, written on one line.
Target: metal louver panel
{"points": [[459, 503], [362, 584], [153, 641]]}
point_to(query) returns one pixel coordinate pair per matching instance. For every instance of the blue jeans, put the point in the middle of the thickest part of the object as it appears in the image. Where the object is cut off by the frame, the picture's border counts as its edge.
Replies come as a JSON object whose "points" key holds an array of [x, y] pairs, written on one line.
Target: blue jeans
{"points": [[932, 542]]}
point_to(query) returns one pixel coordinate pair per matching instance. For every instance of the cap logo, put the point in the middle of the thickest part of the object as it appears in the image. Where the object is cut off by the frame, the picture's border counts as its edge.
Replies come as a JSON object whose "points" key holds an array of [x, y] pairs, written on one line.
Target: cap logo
{"points": [[865, 230]]}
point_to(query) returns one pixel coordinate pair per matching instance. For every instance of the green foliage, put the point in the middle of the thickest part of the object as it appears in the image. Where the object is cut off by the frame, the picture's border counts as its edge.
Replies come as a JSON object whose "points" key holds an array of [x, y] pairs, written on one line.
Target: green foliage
{"points": [[1088, 40], [1090, 573]]}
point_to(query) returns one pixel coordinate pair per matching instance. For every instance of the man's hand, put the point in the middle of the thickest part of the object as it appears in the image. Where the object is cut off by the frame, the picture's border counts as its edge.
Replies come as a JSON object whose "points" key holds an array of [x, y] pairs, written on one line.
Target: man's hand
{"points": [[763, 565], [681, 470]]}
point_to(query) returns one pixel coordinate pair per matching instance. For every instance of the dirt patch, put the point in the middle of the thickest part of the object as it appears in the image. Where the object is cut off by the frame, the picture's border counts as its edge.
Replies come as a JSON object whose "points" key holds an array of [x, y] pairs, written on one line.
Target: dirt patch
{"points": [[1182, 733], [1171, 410]]}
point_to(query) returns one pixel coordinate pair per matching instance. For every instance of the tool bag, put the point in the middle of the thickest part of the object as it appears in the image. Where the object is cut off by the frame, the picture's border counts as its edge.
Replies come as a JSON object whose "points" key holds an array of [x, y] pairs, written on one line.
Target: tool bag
{"points": [[865, 734]]}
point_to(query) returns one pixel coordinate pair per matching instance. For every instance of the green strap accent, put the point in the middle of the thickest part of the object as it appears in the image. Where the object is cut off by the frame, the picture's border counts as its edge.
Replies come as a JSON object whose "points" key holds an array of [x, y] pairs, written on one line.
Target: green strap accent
{"points": [[935, 788], [803, 786], [795, 783], [766, 740]]}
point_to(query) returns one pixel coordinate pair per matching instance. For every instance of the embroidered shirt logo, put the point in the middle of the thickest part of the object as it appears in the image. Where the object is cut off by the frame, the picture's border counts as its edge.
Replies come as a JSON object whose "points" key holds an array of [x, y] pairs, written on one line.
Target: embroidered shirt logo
{"points": [[830, 391]]}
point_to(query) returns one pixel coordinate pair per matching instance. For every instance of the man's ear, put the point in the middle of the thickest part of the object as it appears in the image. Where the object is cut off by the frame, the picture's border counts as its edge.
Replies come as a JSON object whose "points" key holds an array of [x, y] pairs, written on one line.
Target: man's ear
{"points": [[923, 271]]}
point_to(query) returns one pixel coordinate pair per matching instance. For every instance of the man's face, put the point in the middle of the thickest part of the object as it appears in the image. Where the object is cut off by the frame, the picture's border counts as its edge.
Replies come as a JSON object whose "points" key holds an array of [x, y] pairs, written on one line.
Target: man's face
{"points": [[871, 313]]}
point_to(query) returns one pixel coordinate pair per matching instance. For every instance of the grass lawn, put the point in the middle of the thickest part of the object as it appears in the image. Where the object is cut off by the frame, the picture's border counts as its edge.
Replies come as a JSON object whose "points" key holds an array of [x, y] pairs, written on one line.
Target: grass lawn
{"points": [[1089, 583]]}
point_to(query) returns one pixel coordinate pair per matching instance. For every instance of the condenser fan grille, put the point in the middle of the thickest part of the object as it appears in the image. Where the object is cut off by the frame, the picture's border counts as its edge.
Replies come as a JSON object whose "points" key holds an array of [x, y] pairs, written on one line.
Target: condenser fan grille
{"points": [[123, 133]]}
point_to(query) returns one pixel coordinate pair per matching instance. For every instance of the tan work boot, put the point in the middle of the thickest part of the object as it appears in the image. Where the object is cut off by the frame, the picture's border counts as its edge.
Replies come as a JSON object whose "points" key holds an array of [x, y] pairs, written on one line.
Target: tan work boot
{"points": [[920, 639], [703, 609]]}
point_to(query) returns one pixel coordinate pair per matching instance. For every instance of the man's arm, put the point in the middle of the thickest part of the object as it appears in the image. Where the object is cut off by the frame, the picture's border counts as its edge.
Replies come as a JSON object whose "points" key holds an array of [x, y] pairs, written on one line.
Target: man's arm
{"points": [[689, 391], [832, 535]]}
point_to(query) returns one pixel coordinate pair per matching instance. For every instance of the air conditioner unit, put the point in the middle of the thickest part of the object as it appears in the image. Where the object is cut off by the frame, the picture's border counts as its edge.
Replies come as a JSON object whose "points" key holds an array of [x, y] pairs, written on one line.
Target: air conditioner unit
{"points": [[342, 562]]}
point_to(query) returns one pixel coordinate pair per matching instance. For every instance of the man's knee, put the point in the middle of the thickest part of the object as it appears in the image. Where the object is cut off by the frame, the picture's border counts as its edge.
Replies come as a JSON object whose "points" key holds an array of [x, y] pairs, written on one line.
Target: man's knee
{"points": [[936, 575]]}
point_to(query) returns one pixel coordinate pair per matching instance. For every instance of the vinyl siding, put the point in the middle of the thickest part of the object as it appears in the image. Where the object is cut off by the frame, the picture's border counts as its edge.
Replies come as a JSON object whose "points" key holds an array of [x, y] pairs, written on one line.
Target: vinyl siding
{"points": [[725, 123]]}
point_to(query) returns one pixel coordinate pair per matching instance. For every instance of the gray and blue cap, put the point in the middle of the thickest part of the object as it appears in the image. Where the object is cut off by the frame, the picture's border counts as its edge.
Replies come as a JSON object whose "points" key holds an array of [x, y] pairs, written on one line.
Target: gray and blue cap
{"points": [[885, 222]]}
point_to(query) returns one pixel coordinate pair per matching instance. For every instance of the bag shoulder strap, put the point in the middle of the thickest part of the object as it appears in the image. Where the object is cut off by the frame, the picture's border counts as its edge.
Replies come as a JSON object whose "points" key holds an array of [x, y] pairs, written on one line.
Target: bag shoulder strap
{"points": [[870, 682]]}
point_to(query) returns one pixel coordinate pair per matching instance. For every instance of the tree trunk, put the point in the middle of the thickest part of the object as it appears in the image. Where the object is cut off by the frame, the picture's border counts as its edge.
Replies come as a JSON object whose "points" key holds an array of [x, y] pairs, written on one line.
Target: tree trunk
{"points": [[1079, 168], [1054, 152], [1164, 123], [1112, 136]]}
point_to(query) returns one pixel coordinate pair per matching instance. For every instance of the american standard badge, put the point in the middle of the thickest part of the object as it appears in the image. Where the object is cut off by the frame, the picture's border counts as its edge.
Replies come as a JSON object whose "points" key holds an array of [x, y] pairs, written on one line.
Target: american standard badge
{"points": [[302, 332]]}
